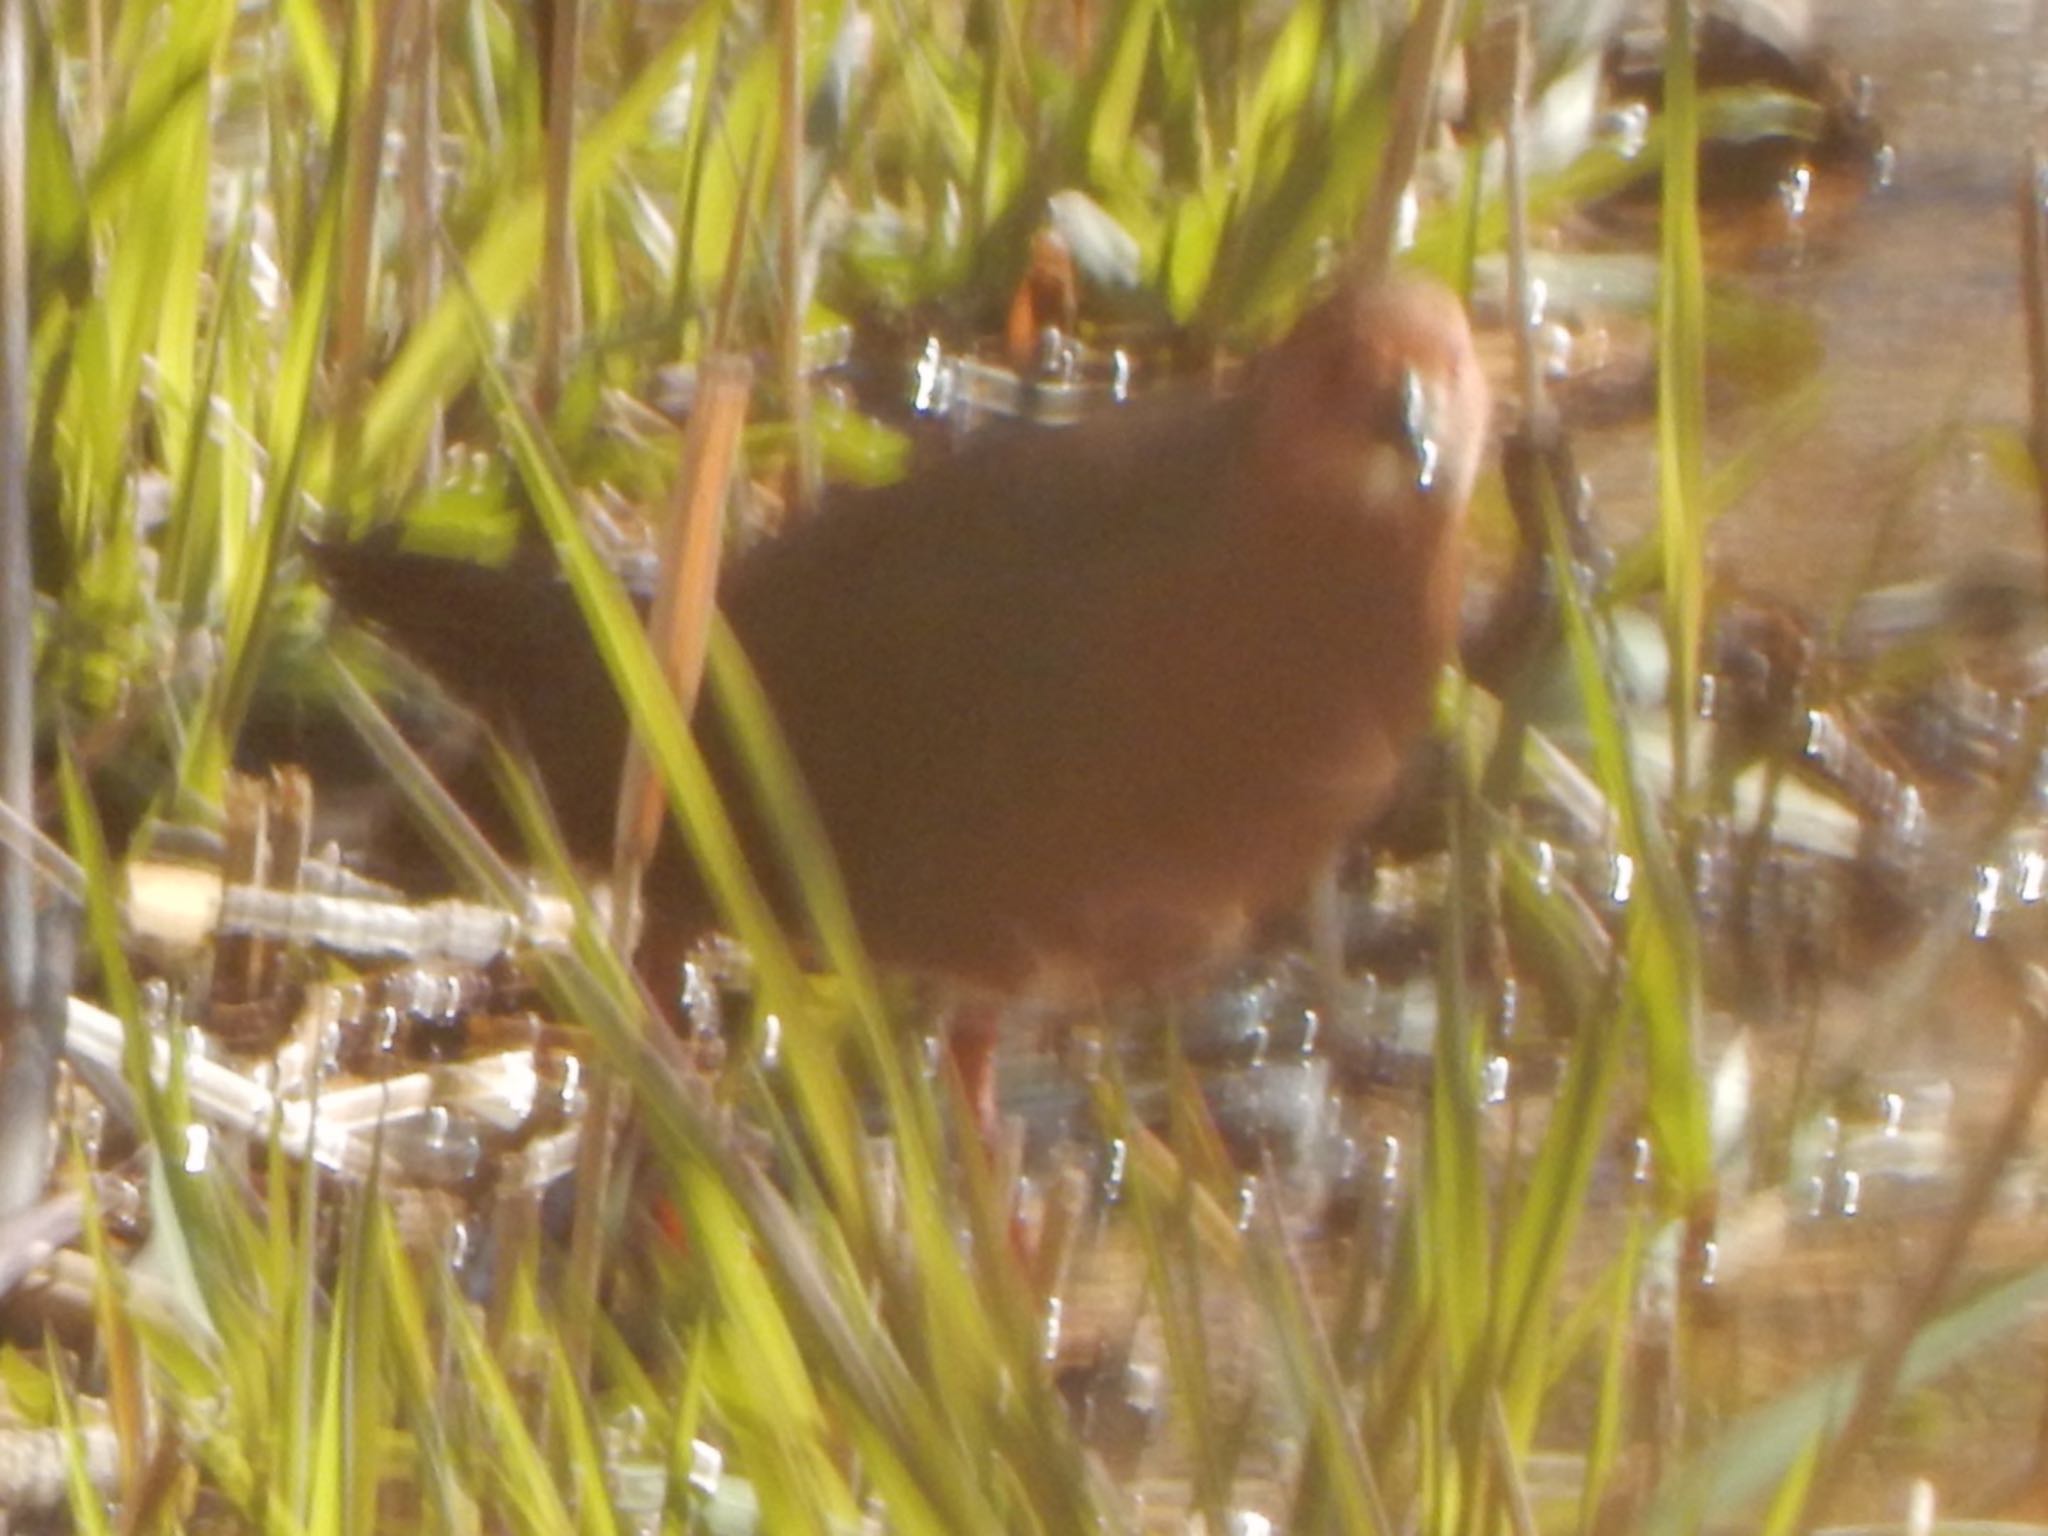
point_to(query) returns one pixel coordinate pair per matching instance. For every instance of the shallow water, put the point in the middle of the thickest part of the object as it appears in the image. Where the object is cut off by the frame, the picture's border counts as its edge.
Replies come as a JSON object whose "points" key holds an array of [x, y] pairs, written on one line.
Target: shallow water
{"points": [[1917, 300]]}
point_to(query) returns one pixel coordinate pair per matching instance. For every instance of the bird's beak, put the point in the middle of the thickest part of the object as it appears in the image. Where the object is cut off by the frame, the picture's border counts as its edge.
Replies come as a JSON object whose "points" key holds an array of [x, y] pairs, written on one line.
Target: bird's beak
{"points": [[1416, 428]]}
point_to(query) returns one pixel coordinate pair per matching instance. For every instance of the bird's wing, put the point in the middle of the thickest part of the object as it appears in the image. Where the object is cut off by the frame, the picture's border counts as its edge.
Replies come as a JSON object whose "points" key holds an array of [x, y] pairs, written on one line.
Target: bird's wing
{"points": [[950, 628]]}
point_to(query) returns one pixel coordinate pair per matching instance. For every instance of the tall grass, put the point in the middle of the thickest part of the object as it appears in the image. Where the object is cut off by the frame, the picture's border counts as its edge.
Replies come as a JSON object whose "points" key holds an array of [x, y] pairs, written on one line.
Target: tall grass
{"points": [[240, 318]]}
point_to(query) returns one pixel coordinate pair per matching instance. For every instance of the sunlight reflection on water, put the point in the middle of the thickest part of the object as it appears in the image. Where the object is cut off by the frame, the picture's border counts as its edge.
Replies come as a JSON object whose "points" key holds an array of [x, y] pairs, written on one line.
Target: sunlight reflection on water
{"points": [[1916, 299]]}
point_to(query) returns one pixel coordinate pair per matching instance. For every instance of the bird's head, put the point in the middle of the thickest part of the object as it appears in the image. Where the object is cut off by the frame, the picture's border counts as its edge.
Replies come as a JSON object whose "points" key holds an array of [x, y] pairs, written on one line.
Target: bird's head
{"points": [[1376, 399]]}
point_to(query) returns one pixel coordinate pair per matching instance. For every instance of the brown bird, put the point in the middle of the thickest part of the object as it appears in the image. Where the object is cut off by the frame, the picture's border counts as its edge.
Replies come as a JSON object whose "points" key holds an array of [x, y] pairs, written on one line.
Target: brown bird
{"points": [[1075, 707]]}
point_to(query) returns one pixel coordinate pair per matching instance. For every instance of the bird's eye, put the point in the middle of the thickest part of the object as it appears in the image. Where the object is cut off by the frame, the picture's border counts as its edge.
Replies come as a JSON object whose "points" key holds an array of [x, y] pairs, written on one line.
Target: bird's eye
{"points": [[1415, 428]]}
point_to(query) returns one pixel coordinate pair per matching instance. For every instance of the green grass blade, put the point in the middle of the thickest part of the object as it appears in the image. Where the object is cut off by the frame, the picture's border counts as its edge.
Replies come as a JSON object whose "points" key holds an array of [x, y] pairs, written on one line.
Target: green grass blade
{"points": [[1748, 1459], [1681, 389], [442, 354]]}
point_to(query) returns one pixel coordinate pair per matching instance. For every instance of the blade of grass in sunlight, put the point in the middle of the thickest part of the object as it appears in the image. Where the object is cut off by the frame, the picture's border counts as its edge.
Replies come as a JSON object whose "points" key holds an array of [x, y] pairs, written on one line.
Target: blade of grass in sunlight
{"points": [[1933, 1274], [1166, 1236], [198, 521], [296, 1361], [1789, 1499], [2033, 210], [335, 1456], [1747, 1459], [678, 622], [555, 322], [1640, 568], [839, 1315], [937, 118], [441, 355], [1311, 1375], [1450, 1228], [1272, 245], [792, 283], [482, 72], [204, 1242], [144, 304], [124, 1387], [962, 1329], [1606, 168], [372, 48], [745, 1234], [362, 1320], [1194, 242], [689, 283], [1610, 1412], [653, 710], [530, 1497], [1681, 391], [1547, 1213], [569, 1406], [88, 1507], [967, 1342], [766, 1393], [319, 73], [251, 584], [414, 1359], [1662, 945], [1412, 111], [1109, 105], [196, 1219], [1277, 109], [58, 215], [994, 49], [103, 917], [1665, 956]]}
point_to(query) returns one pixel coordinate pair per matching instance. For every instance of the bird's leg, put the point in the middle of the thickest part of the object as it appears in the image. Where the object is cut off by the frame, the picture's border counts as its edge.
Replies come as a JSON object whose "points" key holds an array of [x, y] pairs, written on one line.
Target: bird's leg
{"points": [[972, 1030], [1324, 918]]}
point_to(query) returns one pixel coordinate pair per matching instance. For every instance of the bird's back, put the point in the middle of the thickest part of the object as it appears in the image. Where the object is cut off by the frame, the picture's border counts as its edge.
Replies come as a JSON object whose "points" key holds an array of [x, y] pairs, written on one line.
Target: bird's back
{"points": [[1072, 705]]}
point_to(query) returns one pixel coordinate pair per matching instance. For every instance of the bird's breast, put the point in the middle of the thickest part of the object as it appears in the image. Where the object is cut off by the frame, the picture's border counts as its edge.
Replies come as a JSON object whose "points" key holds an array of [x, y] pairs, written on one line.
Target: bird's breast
{"points": [[1263, 708]]}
